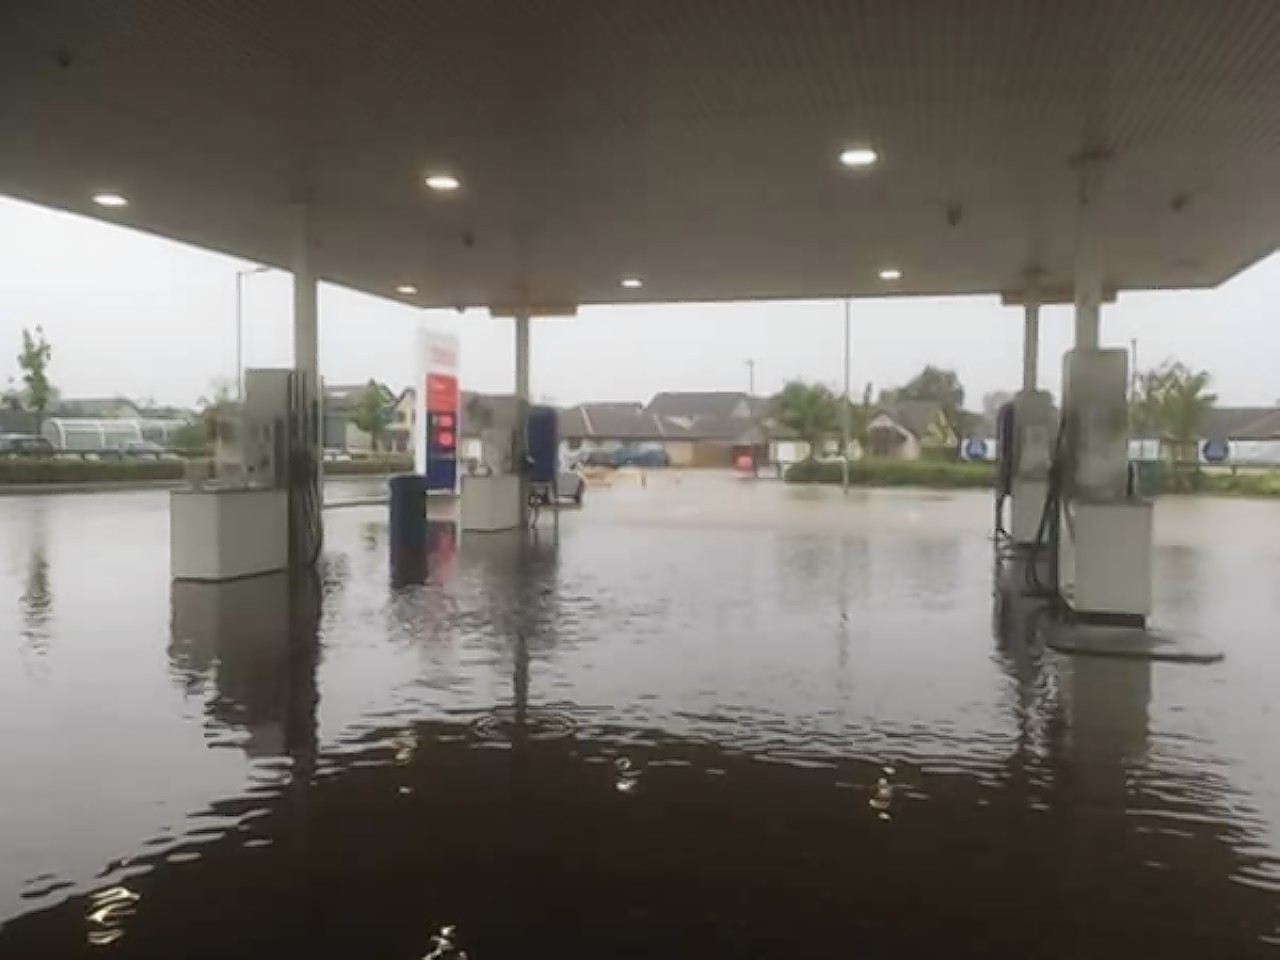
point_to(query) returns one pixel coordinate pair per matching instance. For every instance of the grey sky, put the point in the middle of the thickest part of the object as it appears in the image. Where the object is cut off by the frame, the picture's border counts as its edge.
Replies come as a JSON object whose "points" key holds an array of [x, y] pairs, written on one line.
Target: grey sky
{"points": [[139, 316]]}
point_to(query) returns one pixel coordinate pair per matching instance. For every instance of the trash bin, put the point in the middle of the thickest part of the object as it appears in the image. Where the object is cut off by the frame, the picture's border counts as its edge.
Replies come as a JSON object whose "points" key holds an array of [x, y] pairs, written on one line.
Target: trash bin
{"points": [[1150, 478], [408, 517]]}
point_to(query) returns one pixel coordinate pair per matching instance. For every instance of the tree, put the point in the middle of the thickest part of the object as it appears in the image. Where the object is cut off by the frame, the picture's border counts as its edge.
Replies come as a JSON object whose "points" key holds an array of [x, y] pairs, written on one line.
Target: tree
{"points": [[373, 410], [220, 396], [811, 411], [942, 387], [34, 360], [860, 412], [1169, 404]]}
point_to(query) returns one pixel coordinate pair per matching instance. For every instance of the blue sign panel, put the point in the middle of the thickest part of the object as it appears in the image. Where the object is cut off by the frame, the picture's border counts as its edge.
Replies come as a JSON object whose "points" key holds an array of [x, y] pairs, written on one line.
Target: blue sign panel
{"points": [[975, 449], [1215, 451]]}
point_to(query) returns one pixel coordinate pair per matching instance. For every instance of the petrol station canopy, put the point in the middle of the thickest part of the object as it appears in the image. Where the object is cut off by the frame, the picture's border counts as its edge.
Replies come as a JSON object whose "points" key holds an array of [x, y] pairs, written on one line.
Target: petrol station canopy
{"points": [[692, 147]]}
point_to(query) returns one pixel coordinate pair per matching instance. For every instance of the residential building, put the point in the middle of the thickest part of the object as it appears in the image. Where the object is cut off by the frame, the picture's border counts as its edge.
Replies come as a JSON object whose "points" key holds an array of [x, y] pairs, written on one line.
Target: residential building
{"points": [[909, 429], [1251, 436]]}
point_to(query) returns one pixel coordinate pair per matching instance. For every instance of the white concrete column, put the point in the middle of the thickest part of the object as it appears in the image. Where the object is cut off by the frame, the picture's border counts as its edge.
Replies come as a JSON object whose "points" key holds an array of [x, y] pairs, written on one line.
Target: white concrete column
{"points": [[522, 359], [306, 327], [1031, 340], [1088, 279], [306, 361], [522, 411]]}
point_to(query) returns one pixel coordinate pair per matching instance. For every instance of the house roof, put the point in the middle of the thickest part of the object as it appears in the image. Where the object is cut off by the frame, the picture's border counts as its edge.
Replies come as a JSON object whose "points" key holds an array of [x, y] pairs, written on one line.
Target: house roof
{"points": [[618, 421], [1241, 423], [914, 416], [695, 404]]}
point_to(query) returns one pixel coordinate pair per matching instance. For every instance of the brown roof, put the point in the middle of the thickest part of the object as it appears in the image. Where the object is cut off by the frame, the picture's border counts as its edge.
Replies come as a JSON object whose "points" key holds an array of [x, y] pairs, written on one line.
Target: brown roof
{"points": [[1241, 423], [695, 404]]}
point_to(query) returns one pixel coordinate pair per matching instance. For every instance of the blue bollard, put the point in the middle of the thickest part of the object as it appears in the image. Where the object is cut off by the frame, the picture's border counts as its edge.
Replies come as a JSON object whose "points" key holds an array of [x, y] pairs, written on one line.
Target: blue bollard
{"points": [[408, 521]]}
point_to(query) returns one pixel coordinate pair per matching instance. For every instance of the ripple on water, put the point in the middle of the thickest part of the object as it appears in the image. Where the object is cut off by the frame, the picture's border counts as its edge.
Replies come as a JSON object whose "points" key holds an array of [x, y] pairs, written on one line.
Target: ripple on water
{"points": [[506, 723]]}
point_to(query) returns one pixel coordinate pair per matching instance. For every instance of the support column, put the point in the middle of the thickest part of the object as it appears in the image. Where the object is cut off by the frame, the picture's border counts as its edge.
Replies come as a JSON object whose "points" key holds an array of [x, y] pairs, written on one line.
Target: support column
{"points": [[1088, 279], [306, 329], [1031, 340], [522, 411], [306, 482]]}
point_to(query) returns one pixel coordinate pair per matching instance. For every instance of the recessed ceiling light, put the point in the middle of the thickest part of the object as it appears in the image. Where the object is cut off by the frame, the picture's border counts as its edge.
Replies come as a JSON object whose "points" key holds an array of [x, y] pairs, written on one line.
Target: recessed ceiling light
{"points": [[110, 200], [632, 283], [443, 182], [859, 157], [891, 273], [408, 289]]}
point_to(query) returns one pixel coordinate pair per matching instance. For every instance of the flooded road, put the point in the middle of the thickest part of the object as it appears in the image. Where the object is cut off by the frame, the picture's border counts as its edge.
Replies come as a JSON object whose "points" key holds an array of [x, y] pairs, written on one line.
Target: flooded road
{"points": [[710, 718]]}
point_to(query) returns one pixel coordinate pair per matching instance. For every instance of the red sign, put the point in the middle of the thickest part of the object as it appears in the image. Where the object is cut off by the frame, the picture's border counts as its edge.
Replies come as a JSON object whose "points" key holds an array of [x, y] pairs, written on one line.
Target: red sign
{"points": [[442, 393]]}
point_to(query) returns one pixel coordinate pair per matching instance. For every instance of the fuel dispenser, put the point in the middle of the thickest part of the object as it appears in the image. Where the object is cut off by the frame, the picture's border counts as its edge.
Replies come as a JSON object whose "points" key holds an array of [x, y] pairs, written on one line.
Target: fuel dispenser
{"points": [[254, 508], [1026, 434], [1104, 537]]}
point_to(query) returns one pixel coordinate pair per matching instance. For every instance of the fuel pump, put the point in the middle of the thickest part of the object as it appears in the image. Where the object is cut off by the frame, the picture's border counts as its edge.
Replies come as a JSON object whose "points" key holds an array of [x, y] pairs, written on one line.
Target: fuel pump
{"points": [[254, 508], [1027, 434], [1104, 531]]}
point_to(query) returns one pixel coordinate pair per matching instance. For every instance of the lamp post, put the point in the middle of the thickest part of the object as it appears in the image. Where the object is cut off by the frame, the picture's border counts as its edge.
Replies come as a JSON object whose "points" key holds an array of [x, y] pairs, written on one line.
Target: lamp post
{"points": [[751, 378], [844, 405], [240, 275]]}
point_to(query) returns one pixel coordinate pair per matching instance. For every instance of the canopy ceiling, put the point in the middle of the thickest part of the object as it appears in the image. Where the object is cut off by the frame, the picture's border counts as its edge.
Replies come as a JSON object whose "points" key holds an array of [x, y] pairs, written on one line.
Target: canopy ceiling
{"points": [[691, 143]]}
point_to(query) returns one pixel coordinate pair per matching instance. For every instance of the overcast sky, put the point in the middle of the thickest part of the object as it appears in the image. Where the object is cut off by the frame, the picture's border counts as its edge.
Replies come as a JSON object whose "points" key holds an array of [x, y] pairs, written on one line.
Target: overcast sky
{"points": [[135, 315]]}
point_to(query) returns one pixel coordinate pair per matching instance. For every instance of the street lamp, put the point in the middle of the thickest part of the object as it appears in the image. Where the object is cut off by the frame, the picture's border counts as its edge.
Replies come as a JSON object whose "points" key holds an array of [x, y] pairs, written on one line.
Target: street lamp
{"points": [[844, 405], [240, 275]]}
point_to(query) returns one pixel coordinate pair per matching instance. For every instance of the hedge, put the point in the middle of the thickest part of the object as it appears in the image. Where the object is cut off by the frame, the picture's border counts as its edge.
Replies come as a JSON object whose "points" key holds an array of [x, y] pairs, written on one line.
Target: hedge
{"points": [[895, 473], [28, 471], [956, 475]]}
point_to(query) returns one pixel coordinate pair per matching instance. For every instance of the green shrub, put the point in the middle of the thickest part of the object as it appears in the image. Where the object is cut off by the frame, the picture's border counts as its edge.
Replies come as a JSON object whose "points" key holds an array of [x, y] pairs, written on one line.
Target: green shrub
{"points": [[88, 471], [896, 473], [20, 471], [375, 466]]}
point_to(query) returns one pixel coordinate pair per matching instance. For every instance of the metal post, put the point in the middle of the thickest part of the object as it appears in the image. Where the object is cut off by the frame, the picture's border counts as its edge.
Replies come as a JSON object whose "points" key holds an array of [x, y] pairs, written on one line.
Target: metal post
{"points": [[1133, 370], [522, 412], [240, 276], [1031, 340], [751, 378], [844, 405], [1089, 255], [240, 335]]}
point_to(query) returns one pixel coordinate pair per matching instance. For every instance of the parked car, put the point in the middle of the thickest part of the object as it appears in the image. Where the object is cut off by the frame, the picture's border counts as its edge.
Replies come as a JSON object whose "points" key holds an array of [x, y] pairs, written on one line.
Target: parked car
{"points": [[642, 457], [15, 445], [598, 458]]}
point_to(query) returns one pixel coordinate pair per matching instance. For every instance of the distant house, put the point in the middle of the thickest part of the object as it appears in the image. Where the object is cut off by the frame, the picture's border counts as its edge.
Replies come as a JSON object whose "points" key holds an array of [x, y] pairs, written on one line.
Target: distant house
{"points": [[906, 429], [17, 421], [398, 435], [1251, 435], [694, 429]]}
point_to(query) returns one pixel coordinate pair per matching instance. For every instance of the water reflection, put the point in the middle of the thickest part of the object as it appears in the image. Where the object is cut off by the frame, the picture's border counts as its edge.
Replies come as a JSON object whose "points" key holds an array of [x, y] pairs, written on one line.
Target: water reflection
{"points": [[627, 839], [629, 741], [253, 643], [36, 601]]}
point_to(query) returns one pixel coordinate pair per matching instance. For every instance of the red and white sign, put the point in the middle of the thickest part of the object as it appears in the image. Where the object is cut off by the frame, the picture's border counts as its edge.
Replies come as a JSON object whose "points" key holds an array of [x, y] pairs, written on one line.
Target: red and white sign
{"points": [[437, 387]]}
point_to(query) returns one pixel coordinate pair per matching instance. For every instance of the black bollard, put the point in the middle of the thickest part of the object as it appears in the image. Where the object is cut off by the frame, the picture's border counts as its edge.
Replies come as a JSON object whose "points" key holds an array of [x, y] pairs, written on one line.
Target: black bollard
{"points": [[408, 521]]}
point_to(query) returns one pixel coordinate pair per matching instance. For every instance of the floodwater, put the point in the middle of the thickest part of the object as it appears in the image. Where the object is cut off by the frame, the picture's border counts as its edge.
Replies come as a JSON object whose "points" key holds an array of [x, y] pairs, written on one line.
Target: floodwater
{"points": [[710, 718]]}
